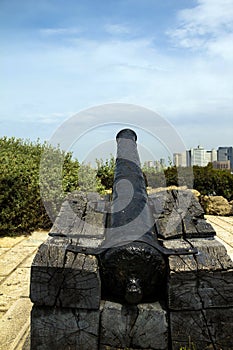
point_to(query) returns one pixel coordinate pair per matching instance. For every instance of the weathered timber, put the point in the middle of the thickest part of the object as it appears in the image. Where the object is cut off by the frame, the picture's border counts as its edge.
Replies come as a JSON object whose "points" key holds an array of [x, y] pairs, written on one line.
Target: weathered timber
{"points": [[200, 296], [60, 276], [81, 214], [178, 214], [63, 278], [143, 326], [65, 285], [64, 329], [200, 281], [203, 329]]}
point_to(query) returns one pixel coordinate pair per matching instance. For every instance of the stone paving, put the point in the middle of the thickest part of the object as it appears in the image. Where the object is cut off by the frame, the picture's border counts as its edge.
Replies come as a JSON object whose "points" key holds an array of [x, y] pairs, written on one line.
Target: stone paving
{"points": [[223, 226], [16, 255]]}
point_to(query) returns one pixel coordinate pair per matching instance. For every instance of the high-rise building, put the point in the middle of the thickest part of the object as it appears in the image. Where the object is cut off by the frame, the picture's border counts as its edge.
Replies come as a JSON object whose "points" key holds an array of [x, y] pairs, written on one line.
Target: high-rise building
{"points": [[225, 154], [198, 156], [195, 156], [211, 156], [179, 159]]}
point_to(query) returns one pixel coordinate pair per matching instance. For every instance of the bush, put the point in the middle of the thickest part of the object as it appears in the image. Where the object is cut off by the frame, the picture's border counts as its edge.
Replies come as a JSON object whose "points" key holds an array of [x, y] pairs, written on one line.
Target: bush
{"points": [[22, 209], [105, 172], [206, 180], [36, 176], [209, 181]]}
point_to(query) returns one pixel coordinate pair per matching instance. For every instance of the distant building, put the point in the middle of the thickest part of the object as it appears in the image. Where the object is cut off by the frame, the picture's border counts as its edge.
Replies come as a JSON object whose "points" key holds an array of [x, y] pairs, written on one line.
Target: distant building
{"points": [[149, 163], [195, 156], [180, 159], [225, 154], [211, 156], [223, 165], [156, 164]]}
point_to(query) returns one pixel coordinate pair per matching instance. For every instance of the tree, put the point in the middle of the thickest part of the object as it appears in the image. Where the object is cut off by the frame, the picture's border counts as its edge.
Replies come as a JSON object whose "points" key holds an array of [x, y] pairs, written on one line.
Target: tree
{"points": [[105, 172], [88, 180]]}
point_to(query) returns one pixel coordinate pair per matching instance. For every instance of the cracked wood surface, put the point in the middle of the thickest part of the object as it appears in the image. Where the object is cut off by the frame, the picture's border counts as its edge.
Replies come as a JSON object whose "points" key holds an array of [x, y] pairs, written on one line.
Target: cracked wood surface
{"points": [[135, 327], [81, 215], [64, 329], [64, 278], [200, 281], [178, 214], [206, 329], [200, 296]]}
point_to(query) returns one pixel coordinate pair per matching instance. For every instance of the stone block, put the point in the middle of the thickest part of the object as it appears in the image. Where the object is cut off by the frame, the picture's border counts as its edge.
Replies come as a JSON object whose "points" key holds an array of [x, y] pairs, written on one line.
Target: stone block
{"points": [[63, 278], [136, 327], [64, 329]]}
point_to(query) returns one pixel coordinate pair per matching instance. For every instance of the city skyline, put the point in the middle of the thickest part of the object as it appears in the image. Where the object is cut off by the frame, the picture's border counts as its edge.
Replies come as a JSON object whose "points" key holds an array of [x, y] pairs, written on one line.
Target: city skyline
{"points": [[221, 157]]}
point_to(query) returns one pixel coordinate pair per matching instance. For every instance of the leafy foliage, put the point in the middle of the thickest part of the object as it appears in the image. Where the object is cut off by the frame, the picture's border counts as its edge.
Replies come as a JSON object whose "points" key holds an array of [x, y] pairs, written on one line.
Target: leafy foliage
{"points": [[19, 186], [58, 175], [105, 172], [36, 176], [169, 177], [209, 181], [206, 180], [21, 206], [88, 179]]}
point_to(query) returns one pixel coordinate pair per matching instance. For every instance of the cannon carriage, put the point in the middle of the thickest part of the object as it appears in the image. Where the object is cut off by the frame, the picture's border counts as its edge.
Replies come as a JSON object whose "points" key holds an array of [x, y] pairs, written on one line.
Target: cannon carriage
{"points": [[131, 272]]}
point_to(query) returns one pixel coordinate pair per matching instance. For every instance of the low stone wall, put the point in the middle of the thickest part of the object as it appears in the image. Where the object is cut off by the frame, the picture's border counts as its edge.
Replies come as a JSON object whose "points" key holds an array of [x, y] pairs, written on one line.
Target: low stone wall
{"points": [[69, 311]]}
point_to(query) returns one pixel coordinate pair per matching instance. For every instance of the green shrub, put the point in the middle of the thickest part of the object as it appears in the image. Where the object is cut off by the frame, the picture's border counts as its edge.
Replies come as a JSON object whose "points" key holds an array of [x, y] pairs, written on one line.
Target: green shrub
{"points": [[206, 180], [209, 181], [18, 186], [21, 206], [36, 176], [105, 172]]}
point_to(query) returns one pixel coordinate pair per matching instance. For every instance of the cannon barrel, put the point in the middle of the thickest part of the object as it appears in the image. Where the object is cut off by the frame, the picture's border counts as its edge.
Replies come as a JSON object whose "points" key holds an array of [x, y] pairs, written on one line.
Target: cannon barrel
{"points": [[132, 268]]}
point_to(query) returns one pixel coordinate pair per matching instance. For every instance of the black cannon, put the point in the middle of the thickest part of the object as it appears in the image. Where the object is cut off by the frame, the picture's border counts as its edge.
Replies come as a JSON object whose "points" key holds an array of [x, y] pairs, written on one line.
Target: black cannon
{"points": [[132, 260], [132, 269]]}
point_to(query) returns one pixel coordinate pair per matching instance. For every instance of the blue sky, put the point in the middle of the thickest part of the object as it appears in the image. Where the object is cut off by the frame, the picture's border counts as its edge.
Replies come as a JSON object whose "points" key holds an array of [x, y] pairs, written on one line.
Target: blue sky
{"points": [[61, 57]]}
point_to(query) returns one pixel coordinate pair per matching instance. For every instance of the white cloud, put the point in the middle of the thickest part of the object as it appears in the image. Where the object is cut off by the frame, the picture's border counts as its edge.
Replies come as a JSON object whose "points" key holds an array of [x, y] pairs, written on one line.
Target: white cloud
{"points": [[207, 26], [208, 16], [60, 31], [52, 118], [117, 29], [130, 71]]}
